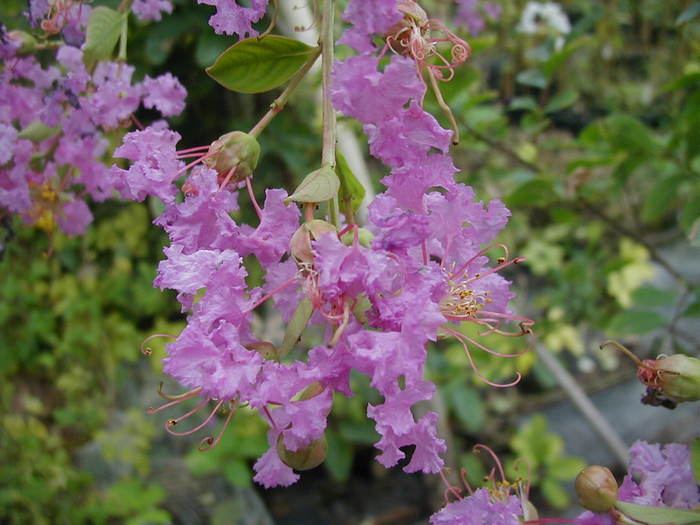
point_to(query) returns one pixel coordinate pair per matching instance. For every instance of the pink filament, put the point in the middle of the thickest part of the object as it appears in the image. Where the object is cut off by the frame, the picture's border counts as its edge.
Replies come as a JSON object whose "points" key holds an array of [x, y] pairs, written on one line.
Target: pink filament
{"points": [[188, 395], [211, 443], [168, 424], [493, 455], [249, 186]]}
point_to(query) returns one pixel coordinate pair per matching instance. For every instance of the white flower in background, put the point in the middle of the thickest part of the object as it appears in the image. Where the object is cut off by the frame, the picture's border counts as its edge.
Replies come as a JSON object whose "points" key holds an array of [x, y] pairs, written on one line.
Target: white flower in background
{"points": [[547, 16]]}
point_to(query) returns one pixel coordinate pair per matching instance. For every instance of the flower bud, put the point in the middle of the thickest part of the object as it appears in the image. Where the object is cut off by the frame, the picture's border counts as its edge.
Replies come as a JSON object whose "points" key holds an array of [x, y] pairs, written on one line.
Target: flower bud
{"points": [[413, 12], [300, 244], [266, 350], [305, 458], [364, 237], [27, 42], [676, 377], [237, 150], [596, 489]]}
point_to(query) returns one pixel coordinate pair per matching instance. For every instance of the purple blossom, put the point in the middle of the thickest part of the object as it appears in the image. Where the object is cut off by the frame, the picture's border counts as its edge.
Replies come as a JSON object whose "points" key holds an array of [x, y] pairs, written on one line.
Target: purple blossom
{"points": [[151, 9], [231, 18], [155, 164], [164, 93], [472, 14], [369, 17], [75, 217], [478, 509], [114, 98]]}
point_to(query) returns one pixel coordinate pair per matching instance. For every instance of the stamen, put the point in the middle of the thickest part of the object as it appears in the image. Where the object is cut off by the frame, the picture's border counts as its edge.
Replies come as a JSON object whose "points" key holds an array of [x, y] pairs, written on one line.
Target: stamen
{"points": [[271, 294], [518, 375], [227, 178], [173, 397], [172, 422], [341, 328], [252, 198], [465, 338], [451, 489], [493, 455], [194, 163], [147, 350], [190, 150], [273, 20], [465, 481], [212, 442], [625, 351], [177, 401]]}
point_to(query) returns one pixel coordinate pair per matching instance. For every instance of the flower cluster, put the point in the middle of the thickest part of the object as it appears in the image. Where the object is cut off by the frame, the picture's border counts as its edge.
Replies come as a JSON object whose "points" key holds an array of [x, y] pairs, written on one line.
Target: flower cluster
{"points": [[55, 121], [379, 301], [657, 476]]}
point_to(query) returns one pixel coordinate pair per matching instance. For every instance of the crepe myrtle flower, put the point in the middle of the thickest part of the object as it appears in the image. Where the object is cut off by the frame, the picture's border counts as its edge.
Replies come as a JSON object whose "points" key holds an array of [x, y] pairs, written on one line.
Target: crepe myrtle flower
{"points": [[499, 502]]}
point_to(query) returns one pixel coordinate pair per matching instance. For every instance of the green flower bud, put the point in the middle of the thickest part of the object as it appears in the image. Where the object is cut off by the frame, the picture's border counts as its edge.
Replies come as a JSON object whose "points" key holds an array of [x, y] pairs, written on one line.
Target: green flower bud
{"points": [[305, 458], [265, 349], [300, 243], [596, 489], [28, 42], [235, 150], [364, 237], [676, 377]]}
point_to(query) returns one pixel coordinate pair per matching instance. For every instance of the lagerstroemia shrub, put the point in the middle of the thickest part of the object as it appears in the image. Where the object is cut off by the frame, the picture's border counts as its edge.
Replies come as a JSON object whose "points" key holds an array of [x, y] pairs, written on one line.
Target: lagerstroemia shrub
{"points": [[418, 270]]}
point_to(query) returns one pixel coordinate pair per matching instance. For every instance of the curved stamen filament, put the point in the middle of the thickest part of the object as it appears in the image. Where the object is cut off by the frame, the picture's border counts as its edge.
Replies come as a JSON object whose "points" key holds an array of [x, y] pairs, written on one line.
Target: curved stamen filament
{"points": [[466, 339], [478, 447], [179, 399], [194, 163], [172, 422], [481, 252], [209, 443], [227, 178], [147, 350], [518, 375], [249, 186], [270, 294], [625, 351], [344, 323], [465, 480], [451, 489], [174, 397]]}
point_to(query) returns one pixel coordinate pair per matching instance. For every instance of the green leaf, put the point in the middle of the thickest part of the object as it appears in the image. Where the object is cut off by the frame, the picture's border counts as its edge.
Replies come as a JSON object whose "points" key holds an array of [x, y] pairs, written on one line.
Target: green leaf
{"points": [[695, 458], [296, 326], [561, 101], [554, 493], [318, 186], [339, 456], [532, 77], [37, 131], [565, 468], [352, 192], [690, 212], [650, 297], [237, 472], [522, 103], [635, 322], [660, 197], [256, 65], [102, 34], [659, 515], [690, 12], [468, 407], [361, 431], [536, 192], [554, 62]]}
